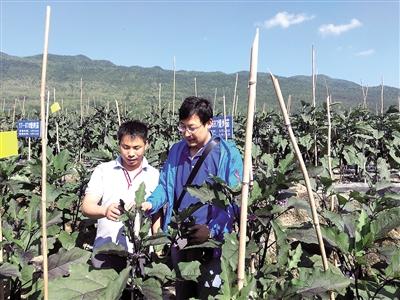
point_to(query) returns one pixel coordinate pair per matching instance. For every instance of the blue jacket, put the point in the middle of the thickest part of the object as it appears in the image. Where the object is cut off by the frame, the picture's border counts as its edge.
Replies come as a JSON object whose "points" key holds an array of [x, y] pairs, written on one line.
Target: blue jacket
{"points": [[230, 169]]}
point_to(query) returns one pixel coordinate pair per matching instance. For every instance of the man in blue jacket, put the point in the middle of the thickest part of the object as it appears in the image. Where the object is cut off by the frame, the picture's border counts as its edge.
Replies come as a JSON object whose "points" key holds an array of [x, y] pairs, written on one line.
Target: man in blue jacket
{"points": [[223, 160]]}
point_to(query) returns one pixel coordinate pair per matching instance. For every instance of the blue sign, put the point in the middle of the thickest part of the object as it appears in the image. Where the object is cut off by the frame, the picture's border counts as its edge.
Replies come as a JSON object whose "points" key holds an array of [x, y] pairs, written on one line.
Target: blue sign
{"points": [[28, 128], [218, 126]]}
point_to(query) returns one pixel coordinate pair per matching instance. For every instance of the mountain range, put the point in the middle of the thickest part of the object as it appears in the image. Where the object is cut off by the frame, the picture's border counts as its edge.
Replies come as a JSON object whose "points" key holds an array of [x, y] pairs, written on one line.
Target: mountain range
{"points": [[138, 87]]}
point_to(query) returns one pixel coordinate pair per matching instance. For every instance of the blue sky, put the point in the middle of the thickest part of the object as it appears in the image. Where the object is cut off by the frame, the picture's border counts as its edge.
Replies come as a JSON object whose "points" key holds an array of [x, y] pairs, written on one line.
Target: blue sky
{"points": [[354, 40]]}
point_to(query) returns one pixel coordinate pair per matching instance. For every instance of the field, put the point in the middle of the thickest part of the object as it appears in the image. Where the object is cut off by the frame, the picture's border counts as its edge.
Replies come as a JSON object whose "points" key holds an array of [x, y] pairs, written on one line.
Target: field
{"points": [[357, 187]]}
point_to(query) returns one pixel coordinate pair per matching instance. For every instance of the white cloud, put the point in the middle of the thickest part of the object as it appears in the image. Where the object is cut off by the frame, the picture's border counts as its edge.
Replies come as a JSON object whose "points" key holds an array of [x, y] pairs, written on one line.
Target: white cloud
{"points": [[331, 29], [365, 52], [284, 20]]}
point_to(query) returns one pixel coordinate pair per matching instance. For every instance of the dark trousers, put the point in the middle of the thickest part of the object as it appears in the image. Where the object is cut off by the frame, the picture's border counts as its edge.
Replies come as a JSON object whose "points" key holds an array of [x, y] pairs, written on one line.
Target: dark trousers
{"points": [[209, 281]]}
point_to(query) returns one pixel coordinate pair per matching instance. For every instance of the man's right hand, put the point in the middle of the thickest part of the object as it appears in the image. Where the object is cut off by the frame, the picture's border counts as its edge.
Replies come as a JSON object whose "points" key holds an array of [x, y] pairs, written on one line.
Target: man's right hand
{"points": [[113, 212], [146, 206]]}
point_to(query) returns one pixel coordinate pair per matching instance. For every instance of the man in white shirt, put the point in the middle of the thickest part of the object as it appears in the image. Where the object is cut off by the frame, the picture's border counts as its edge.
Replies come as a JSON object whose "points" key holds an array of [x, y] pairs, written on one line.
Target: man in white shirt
{"points": [[115, 180]]}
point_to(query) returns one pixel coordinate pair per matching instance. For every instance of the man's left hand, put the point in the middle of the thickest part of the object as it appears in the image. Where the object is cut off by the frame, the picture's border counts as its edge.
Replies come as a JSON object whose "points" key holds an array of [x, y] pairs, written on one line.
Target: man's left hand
{"points": [[198, 234]]}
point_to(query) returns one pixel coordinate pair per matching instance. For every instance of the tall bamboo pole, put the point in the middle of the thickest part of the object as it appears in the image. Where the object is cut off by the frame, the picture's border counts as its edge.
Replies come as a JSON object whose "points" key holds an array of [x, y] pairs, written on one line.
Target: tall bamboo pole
{"points": [[289, 104], [54, 95], [234, 96], [313, 104], [382, 97], [13, 115], [47, 113], [57, 139], [224, 104], [303, 169], [173, 90], [328, 113], [215, 99], [159, 97], [23, 107], [119, 116], [247, 159], [81, 101], [236, 104], [44, 155]]}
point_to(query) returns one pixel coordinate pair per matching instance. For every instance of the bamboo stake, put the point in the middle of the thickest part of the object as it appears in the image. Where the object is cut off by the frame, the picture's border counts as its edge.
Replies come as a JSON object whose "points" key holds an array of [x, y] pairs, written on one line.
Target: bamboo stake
{"points": [[234, 96], [236, 104], [215, 100], [62, 103], [13, 116], [54, 95], [263, 108], [1, 254], [304, 170], [119, 117], [81, 101], [29, 148], [173, 92], [328, 113], [4, 104], [365, 93], [47, 113], [313, 74], [289, 104], [382, 97], [44, 155], [247, 160], [159, 97], [57, 140], [195, 86], [23, 107], [224, 104]]}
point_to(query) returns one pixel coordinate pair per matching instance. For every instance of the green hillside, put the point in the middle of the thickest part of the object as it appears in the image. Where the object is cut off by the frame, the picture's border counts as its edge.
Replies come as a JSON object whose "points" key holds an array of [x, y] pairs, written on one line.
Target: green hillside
{"points": [[137, 86]]}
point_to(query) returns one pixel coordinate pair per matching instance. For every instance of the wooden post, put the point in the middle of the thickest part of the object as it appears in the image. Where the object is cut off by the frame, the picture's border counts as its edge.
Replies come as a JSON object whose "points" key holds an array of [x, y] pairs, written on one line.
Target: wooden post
{"points": [[303, 169], [44, 156], [247, 160], [173, 92], [81, 102], [195, 87]]}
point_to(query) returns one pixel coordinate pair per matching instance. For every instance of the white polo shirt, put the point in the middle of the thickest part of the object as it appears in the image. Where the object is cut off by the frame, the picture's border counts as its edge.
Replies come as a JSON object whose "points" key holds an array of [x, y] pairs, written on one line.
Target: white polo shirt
{"points": [[110, 181]]}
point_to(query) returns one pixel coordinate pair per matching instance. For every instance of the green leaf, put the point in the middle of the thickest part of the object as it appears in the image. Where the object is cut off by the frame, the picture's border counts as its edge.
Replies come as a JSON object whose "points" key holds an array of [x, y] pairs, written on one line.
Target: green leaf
{"points": [[27, 273], [208, 244], [393, 269], [385, 221], [140, 194], [230, 249], [203, 193], [151, 289], [319, 282], [8, 270], [295, 256], [85, 284], [60, 262], [68, 240], [337, 238], [160, 238], [227, 289], [159, 271], [189, 270]]}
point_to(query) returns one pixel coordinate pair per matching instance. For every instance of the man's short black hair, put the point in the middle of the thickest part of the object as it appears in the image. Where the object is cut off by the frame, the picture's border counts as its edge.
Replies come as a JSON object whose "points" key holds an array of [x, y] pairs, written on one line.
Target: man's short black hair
{"points": [[196, 106], [133, 128]]}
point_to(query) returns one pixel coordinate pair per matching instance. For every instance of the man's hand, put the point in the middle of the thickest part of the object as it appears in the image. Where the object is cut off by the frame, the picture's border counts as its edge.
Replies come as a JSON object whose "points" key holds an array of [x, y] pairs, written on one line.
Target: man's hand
{"points": [[113, 212], [146, 206], [198, 234]]}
